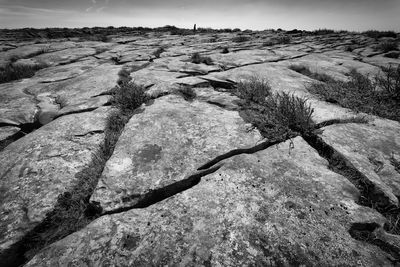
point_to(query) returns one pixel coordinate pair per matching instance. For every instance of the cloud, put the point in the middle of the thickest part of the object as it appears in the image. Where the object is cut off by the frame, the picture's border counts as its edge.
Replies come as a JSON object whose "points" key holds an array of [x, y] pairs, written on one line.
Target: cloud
{"points": [[100, 9], [31, 10]]}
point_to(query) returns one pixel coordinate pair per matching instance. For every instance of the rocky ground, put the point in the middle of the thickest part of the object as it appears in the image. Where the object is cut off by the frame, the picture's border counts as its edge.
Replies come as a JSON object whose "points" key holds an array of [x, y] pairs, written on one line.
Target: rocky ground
{"points": [[189, 181]]}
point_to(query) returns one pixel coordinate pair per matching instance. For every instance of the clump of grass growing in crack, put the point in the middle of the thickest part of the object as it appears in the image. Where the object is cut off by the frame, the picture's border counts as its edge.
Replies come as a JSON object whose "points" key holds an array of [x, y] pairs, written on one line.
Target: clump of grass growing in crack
{"points": [[128, 96], [361, 93], [291, 111], [186, 92], [313, 75], [225, 50], [283, 39], [12, 71], [273, 114], [393, 221], [255, 89], [124, 76], [196, 58], [387, 46], [158, 52], [389, 82], [241, 39]]}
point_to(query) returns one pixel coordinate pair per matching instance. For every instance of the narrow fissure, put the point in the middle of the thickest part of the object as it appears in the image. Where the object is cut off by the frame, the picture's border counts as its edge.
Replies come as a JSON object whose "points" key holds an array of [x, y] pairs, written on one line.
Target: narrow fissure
{"points": [[262, 146], [370, 197], [163, 193], [24, 130], [369, 232]]}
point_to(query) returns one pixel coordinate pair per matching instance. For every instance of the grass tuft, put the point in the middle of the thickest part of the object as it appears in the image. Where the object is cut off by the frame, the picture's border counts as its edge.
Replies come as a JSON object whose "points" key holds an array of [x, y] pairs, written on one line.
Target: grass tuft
{"points": [[240, 39], [313, 75], [388, 46], [389, 82], [124, 76], [12, 72], [291, 111], [128, 96], [196, 58], [254, 89], [361, 93], [158, 52], [186, 92], [225, 50], [274, 115]]}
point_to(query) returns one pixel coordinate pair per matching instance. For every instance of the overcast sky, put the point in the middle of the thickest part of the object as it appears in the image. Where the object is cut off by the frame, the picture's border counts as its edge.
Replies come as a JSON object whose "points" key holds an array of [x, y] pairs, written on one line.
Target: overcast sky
{"points": [[244, 14]]}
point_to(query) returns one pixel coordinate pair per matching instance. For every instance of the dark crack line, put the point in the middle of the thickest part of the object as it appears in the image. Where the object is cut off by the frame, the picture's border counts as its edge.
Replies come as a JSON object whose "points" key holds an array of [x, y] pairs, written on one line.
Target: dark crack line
{"points": [[374, 234], [76, 112], [89, 133], [158, 195], [262, 146], [61, 80], [361, 120], [370, 195]]}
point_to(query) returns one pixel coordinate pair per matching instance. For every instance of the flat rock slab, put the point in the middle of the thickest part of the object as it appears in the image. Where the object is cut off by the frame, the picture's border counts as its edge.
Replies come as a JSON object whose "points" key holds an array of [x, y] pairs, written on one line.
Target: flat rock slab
{"points": [[273, 208], [221, 99], [64, 56], [91, 104], [23, 51], [7, 132], [77, 90], [36, 169], [244, 57], [165, 144], [61, 73], [184, 65], [16, 106], [371, 150]]}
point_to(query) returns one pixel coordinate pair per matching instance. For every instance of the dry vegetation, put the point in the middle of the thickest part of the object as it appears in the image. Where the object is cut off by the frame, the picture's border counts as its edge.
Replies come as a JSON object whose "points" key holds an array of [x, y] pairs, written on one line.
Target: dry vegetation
{"points": [[274, 114], [374, 95]]}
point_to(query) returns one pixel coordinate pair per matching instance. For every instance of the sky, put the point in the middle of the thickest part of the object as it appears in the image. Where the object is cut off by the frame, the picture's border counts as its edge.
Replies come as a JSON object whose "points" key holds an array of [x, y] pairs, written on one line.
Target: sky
{"points": [[353, 15]]}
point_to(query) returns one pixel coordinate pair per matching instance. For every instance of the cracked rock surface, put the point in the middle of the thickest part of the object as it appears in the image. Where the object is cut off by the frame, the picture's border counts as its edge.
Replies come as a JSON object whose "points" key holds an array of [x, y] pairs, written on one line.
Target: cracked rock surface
{"points": [[36, 169], [298, 201], [272, 207]]}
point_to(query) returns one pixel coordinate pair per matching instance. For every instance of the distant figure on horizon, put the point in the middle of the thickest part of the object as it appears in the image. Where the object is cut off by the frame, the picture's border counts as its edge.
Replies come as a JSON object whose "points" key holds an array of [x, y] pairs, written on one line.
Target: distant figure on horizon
{"points": [[194, 28]]}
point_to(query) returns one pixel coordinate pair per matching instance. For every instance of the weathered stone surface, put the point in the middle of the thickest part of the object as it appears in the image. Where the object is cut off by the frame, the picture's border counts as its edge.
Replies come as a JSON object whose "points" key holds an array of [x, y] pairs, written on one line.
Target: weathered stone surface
{"points": [[221, 99], [41, 166], [184, 65], [244, 57], [382, 61], [172, 138], [370, 149], [281, 206], [64, 56], [16, 106], [25, 51], [65, 72], [7, 132], [277, 207], [92, 103], [80, 89]]}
